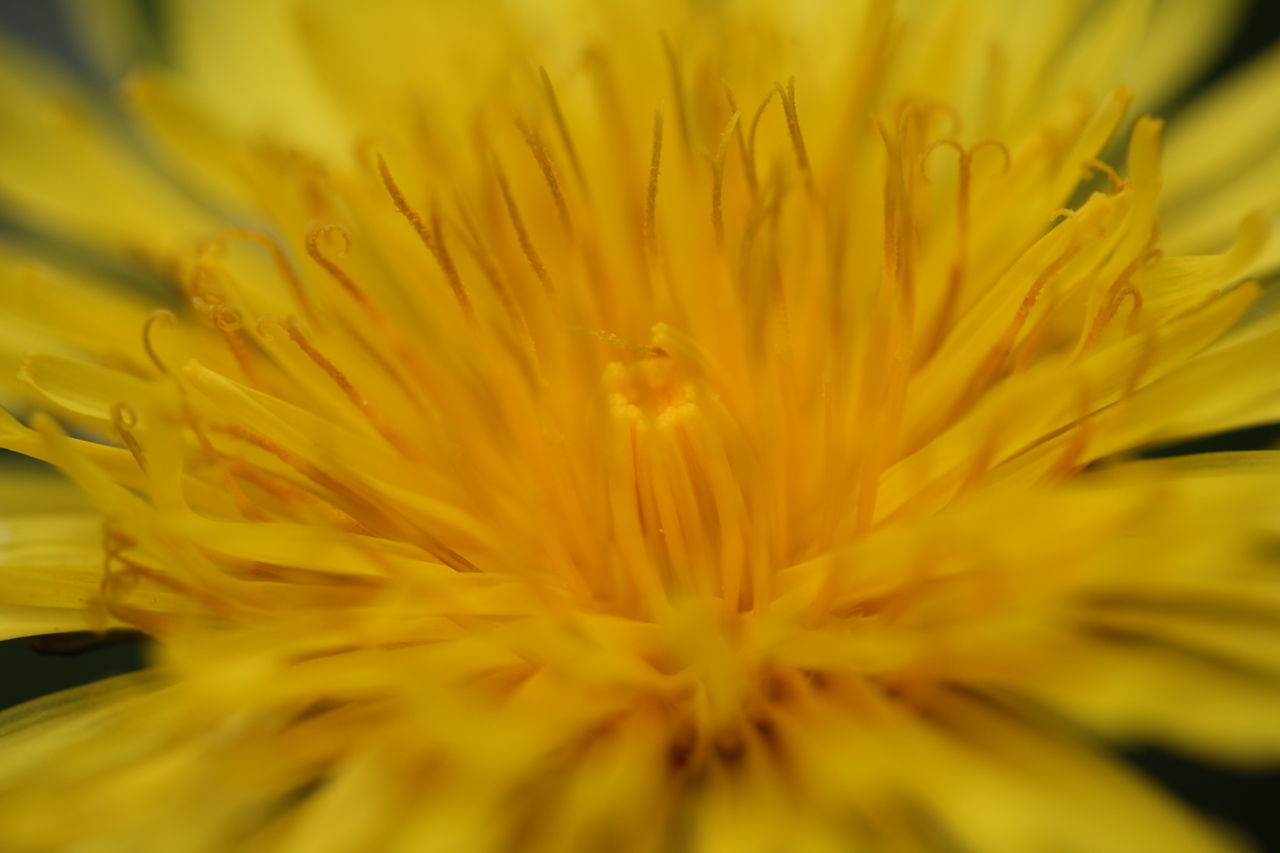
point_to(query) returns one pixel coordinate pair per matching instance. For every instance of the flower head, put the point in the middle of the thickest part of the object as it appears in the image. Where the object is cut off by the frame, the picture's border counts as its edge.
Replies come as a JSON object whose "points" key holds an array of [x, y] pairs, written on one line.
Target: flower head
{"points": [[586, 426]]}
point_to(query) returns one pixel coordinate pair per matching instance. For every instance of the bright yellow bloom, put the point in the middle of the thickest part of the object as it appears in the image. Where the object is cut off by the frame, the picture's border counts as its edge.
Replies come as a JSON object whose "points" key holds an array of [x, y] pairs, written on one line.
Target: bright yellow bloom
{"points": [[588, 426]]}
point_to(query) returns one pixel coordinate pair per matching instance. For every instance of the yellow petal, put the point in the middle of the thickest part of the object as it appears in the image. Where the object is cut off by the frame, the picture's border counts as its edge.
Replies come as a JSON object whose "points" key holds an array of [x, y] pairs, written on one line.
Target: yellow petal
{"points": [[1223, 133], [65, 170], [82, 388], [50, 571], [220, 51], [1182, 38]]}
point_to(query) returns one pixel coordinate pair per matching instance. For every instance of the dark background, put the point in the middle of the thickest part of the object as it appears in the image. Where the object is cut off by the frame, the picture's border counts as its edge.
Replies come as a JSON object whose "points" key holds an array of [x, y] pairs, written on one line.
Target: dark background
{"points": [[1247, 800]]}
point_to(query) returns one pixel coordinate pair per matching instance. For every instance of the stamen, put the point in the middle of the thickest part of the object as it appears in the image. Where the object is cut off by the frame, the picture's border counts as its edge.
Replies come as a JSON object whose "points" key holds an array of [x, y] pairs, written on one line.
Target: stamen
{"points": [[750, 157], [1070, 461], [959, 264], [898, 227], [244, 506], [1037, 287], [1135, 311], [281, 261], [522, 234], [651, 197], [1035, 339], [260, 326], [117, 583], [942, 143], [612, 103], [747, 167], [1146, 356], [430, 239], [200, 284], [347, 387], [474, 245], [543, 160], [622, 344], [1069, 216], [677, 90], [327, 231], [1117, 183], [995, 145], [148, 344], [731, 512], [968, 155], [763, 214], [229, 321], [793, 128], [345, 497], [983, 457], [990, 366], [1111, 303], [717, 177], [915, 107], [114, 543], [446, 259], [125, 420], [1211, 298], [628, 528], [561, 127], [290, 495], [330, 369]]}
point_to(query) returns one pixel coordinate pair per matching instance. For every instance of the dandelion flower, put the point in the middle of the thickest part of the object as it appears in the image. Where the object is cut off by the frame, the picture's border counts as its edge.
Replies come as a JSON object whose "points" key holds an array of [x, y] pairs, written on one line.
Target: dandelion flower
{"points": [[663, 426]]}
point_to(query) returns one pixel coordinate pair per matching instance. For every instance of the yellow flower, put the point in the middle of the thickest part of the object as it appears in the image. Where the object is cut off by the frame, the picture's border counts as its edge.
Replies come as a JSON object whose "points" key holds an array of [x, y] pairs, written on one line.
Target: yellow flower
{"points": [[587, 426]]}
